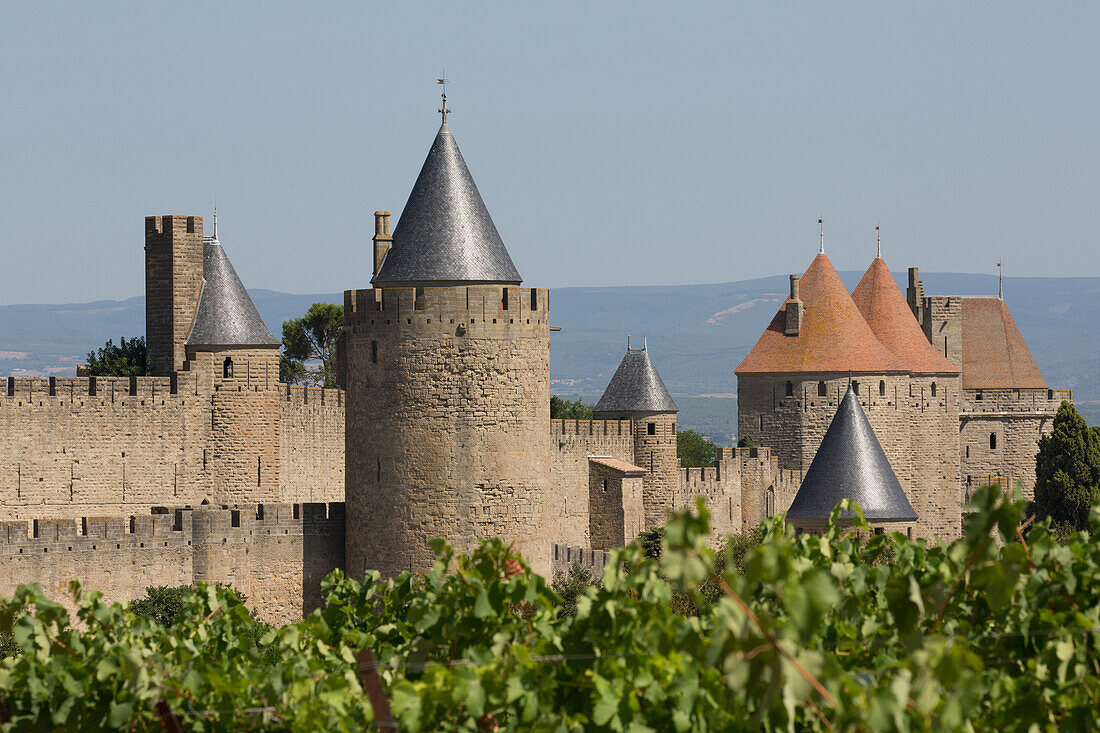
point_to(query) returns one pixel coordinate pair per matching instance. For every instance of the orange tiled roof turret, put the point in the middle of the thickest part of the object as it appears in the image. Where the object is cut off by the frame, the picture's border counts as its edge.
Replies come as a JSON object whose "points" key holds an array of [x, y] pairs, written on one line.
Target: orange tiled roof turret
{"points": [[884, 308], [831, 336]]}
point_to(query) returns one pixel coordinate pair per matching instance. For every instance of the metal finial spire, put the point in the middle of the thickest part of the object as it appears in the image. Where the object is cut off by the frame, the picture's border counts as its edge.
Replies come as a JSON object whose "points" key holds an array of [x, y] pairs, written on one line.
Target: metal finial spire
{"points": [[878, 236], [1000, 282], [215, 220], [645, 345], [443, 110], [821, 228], [628, 342]]}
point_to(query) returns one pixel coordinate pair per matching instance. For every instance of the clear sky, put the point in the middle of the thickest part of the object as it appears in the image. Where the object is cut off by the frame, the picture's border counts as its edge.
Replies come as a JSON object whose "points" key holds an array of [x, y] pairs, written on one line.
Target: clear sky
{"points": [[632, 143]]}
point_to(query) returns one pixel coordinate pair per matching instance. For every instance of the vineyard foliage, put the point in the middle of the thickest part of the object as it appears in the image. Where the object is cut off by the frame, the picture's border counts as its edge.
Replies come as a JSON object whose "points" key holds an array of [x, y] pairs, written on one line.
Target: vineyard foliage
{"points": [[996, 630]]}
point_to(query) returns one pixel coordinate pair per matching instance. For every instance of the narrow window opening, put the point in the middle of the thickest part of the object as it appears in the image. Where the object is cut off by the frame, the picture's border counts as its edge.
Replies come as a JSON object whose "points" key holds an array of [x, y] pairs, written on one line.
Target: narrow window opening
{"points": [[968, 451], [944, 347], [605, 486], [84, 526], [227, 368], [235, 518], [260, 511], [297, 511], [978, 396], [855, 387], [789, 389], [373, 352], [992, 441], [34, 527], [909, 532], [133, 524], [881, 388], [534, 299], [258, 470], [204, 459], [133, 386], [933, 389], [11, 386], [504, 299], [821, 392], [91, 387], [879, 530], [651, 428], [378, 470], [761, 423], [1050, 394], [53, 386]]}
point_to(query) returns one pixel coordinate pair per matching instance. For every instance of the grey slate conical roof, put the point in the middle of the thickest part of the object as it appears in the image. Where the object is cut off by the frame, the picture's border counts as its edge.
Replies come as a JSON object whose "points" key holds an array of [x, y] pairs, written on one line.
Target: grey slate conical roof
{"points": [[226, 315], [445, 234], [850, 464], [636, 387]]}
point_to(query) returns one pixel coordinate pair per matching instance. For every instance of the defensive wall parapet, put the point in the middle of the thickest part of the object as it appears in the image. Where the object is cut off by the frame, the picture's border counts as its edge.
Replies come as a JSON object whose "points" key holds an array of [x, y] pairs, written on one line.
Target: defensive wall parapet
{"points": [[564, 556], [276, 554], [477, 311]]}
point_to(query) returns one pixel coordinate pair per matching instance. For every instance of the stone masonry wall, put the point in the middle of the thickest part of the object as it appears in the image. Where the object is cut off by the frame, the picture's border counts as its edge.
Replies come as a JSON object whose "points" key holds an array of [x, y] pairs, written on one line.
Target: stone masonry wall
{"points": [[447, 410], [1016, 419], [615, 507], [571, 443], [655, 451], [276, 554], [311, 444], [173, 282], [83, 446]]}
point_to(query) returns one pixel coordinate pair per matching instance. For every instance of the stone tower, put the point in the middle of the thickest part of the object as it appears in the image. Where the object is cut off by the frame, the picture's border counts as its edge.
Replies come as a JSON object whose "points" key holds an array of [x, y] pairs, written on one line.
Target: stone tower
{"points": [[173, 281], [447, 371], [236, 358], [637, 393]]}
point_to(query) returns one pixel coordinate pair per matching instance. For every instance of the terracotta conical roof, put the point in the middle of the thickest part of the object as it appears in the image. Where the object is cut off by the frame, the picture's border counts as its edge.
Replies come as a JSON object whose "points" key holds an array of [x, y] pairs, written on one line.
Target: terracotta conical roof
{"points": [[636, 387], [850, 464], [833, 337], [994, 353], [884, 308], [445, 234], [226, 315]]}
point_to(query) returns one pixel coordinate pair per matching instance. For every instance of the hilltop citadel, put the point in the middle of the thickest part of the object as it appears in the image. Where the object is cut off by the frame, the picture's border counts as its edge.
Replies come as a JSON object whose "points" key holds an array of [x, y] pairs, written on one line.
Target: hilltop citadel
{"points": [[212, 470]]}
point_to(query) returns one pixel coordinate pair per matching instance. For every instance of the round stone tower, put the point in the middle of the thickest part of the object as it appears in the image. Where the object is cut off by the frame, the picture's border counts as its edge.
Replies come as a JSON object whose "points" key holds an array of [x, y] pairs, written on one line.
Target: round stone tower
{"points": [[447, 372], [637, 393]]}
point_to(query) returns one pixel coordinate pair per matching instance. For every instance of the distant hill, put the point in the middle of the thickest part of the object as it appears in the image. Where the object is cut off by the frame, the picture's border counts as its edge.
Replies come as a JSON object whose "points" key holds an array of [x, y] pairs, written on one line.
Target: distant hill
{"points": [[697, 334]]}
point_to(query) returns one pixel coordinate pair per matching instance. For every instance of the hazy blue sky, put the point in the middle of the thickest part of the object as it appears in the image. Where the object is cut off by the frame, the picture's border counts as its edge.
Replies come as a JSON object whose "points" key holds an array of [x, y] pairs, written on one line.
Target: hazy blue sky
{"points": [[613, 143]]}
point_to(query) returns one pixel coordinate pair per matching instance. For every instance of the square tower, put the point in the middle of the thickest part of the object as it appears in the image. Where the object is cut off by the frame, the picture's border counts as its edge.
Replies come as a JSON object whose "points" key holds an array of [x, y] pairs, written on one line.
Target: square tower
{"points": [[173, 283]]}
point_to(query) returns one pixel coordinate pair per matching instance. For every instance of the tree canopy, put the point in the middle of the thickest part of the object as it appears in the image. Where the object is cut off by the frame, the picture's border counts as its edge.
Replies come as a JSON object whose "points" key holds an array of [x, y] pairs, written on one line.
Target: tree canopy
{"points": [[311, 338], [570, 410], [1067, 470], [125, 360], [694, 450]]}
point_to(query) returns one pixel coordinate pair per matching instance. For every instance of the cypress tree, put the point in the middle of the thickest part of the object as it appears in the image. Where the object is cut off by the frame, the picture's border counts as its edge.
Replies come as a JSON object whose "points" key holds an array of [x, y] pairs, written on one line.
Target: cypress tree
{"points": [[1067, 470]]}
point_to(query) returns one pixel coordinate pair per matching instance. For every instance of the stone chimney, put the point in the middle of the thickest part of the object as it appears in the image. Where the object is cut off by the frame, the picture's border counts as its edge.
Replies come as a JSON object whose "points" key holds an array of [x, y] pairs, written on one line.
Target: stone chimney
{"points": [[795, 310], [382, 238], [915, 295]]}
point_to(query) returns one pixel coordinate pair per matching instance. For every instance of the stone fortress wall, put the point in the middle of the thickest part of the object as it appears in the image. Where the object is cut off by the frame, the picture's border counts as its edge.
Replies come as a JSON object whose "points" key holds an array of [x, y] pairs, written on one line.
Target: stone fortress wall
{"points": [[275, 554], [80, 446]]}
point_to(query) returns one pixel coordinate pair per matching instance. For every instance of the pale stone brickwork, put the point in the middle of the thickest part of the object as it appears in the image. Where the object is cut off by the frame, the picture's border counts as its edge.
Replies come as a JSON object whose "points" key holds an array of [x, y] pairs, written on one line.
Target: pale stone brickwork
{"points": [[311, 444], [258, 549], [572, 442], [563, 557], [615, 506], [655, 451], [173, 282], [1000, 432], [448, 393]]}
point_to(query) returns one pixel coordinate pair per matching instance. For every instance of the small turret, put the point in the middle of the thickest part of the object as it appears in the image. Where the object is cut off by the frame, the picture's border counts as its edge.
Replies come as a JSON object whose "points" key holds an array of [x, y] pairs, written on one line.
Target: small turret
{"points": [[850, 464], [382, 239]]}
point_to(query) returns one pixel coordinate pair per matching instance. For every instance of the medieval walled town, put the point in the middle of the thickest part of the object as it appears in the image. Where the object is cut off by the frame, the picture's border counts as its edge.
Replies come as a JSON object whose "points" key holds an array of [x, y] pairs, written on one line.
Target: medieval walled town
{"points": [[211, 469]]}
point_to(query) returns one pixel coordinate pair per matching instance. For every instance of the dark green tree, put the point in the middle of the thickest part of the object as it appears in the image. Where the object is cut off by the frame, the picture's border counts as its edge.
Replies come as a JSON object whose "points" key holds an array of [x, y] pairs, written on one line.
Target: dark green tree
{"points": [[745, 441], [694, 450], [570, 587], [1067, 470], [125, 360], [311, 338], [569, 410]]}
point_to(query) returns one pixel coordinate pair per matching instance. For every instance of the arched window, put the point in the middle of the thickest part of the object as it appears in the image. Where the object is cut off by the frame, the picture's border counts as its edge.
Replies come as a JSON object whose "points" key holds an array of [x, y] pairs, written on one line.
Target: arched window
{"points": [[933, 389], [820, 389], [227, 368], [769, 502], [790, 389], [881, 388], [992, 441]]}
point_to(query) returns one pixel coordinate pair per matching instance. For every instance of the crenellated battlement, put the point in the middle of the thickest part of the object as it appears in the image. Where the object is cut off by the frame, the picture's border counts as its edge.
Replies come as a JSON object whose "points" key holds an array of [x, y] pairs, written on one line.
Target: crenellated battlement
{"points": [[1033, 401], [303, 394], [170, 527], [589, 428], [78, 391], [486, 311]]}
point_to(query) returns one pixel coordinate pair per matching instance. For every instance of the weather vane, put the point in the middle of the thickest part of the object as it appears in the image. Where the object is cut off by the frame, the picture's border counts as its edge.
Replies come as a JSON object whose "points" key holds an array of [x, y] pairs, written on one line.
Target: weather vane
{"points": [[443, 82]]}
